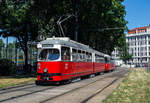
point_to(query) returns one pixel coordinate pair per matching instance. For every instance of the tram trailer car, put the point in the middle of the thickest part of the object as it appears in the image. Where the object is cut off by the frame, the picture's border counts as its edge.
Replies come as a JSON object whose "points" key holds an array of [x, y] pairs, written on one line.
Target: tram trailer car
{"points": [[61, 59], [109, 63]]}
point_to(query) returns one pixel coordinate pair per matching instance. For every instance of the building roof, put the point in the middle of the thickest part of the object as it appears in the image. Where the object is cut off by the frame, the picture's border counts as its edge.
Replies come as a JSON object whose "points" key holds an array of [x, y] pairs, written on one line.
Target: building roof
{"points": [[139, 29]]}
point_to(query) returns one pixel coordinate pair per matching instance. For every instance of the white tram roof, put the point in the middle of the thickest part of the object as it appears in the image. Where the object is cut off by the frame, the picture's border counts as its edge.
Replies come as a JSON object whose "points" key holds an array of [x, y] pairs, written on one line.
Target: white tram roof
{"points": [[70, 43], [66, 42], [105, 55]]}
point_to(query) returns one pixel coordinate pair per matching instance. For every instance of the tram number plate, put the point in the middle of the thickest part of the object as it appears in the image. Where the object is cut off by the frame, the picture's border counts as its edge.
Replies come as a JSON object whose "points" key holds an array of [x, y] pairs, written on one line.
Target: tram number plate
{"points": [[45, 78]]}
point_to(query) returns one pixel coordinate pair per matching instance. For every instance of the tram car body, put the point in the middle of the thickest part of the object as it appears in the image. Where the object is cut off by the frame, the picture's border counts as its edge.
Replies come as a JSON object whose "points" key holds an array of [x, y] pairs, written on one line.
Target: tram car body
{"points": [[61, 59], [109, 63]]}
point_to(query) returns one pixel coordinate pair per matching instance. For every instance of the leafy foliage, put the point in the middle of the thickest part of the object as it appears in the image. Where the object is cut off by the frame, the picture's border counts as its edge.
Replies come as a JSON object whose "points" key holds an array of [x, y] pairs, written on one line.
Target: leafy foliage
{"points": [[95, 17], [2, 44], [28, 19], [123, 49], [7, 67], [17, 20]]}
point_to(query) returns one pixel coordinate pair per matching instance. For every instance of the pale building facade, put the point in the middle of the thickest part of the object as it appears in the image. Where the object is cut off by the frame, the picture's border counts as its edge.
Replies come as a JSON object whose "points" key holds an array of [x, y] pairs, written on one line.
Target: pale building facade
{"points": [[138, 40], [116, 57]]}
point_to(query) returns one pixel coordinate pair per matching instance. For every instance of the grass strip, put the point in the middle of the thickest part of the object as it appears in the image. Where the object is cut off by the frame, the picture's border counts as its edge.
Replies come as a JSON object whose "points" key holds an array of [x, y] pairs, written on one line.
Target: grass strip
{"points": [[6, 82], [135, 88]]}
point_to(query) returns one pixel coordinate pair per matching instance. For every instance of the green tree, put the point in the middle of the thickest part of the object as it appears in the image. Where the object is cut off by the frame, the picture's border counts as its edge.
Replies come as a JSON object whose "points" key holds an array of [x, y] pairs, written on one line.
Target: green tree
{"points": [[102, 15], [17, 20], [124, 49], [95, 17], [11, 51], [27, 20], [2, 45]]}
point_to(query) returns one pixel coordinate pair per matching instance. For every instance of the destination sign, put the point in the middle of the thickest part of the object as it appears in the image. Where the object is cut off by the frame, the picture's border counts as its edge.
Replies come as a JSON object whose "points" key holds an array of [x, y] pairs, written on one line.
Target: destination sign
{"points": [[47, 45]]}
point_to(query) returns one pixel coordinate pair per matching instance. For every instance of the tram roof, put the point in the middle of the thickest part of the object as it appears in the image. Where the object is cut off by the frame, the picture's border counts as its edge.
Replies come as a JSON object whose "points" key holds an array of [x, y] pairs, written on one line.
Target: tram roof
{"points": [[67, 42]]}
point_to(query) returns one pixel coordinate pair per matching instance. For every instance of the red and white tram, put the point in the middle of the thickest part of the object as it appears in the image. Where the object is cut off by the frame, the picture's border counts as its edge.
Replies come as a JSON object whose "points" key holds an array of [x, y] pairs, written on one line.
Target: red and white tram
{"points": [[61, 59], [109, 63]]}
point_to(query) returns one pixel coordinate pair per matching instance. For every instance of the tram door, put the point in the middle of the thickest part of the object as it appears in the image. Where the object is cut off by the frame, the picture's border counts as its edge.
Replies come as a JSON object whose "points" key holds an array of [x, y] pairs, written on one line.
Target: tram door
{"points": [[66, 64]]}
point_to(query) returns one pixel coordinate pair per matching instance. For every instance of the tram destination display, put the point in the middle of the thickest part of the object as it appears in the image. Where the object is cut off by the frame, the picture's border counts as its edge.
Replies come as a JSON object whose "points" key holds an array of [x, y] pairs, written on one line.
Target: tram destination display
{"points": [[47, 45]]}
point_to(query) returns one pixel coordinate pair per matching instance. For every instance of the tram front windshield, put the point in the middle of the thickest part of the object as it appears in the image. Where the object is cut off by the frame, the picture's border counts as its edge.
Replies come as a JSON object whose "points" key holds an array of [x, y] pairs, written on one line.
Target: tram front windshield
{"points": [[49, 54]]}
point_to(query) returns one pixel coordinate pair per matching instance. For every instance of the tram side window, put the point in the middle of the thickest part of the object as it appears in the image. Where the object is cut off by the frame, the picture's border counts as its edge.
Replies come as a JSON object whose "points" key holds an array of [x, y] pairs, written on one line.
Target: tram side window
{"points": [[88, 57], [102, 59], [112, 60], [79, 55], [43, 55], [106, 60], [96, 58], [99, 58], [65, 53], [84, 56], [74, 55]]}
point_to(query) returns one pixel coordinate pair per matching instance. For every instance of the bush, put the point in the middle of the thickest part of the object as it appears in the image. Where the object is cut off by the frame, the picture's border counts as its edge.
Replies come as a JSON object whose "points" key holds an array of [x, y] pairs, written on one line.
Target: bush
{"points": [[27, 68], [7, 67]]}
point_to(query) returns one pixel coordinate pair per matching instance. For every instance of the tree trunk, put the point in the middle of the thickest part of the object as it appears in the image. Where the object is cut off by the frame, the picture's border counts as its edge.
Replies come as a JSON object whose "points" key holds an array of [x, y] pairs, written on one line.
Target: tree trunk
{"points": [[26, 59], [26, 67], [7, 48]]}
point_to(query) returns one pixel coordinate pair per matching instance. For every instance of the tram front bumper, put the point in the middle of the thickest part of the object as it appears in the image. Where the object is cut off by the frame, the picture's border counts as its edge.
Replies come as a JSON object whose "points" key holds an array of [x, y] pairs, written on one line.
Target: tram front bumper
{"points": [[49, 77]]}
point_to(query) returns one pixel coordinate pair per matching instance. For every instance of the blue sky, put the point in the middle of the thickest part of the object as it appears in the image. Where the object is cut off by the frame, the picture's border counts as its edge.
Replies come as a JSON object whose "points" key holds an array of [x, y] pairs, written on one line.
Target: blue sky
{"points": [[10, 39], [137, 13]]}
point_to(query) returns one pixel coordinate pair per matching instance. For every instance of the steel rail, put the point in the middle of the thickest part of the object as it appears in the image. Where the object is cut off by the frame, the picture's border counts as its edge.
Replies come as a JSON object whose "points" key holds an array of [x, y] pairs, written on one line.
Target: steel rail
{"points": [[46, 100]]}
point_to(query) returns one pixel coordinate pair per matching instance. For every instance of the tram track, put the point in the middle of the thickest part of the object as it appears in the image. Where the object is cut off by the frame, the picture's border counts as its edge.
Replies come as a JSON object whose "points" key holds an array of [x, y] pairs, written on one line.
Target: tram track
{"points": [[18, 88], [14, 97], [41, 90], [46, 100], [14, 90], [101, 90]]}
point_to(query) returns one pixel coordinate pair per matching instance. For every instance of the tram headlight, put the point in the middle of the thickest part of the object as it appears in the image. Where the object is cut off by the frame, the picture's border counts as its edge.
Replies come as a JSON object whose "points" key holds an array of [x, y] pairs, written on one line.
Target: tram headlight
{"points": [[45, 70]]}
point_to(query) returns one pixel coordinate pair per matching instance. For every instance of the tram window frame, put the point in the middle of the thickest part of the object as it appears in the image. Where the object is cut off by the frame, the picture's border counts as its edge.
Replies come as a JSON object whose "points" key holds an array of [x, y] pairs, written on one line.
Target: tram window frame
{"points": [[109, 60], [74, 54], [88, 57], [99, 58], [106, 60], [79, 55], [84, 56], [47, 53], [65, 56]]}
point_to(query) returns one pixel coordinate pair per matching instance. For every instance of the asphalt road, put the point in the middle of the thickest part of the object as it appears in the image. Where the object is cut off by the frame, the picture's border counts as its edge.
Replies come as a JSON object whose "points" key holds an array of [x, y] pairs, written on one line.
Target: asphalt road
{"points": [[90, 90]]}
